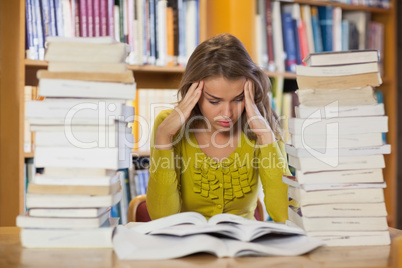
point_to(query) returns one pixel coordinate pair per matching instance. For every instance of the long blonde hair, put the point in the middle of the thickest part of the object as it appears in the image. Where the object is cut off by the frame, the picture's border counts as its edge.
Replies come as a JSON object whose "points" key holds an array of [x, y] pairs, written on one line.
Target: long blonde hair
{"points": [[225, 55]]}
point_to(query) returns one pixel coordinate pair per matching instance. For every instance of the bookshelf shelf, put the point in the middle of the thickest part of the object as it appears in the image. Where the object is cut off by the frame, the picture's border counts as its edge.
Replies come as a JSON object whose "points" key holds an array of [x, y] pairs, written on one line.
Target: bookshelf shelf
{"points": [[29, 155], [232, 16], [141, 153], [341, 5]]}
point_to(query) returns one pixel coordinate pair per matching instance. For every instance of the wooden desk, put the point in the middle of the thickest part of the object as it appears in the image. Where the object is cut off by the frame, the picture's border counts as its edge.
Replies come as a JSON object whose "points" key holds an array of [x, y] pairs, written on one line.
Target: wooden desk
{"points": [[12, 254]]}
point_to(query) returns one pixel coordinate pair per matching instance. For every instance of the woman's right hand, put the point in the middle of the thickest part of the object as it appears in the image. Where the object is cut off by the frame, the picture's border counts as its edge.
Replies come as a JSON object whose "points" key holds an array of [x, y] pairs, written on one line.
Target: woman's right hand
{"points": [[172, 124]]}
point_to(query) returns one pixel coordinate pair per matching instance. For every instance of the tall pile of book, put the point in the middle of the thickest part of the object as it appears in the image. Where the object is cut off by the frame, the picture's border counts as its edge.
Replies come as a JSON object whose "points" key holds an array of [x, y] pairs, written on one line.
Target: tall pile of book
{"points": [[82, 140], [337, 150]]}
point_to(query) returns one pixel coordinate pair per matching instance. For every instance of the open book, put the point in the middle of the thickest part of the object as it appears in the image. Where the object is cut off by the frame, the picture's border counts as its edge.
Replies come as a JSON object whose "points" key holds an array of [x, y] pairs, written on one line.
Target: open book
{"points": [[229, 225], [223, 235]]}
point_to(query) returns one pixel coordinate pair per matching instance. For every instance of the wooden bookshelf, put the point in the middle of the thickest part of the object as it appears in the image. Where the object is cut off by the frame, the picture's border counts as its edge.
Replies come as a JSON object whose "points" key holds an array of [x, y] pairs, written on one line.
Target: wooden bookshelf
{"points": [[232, 16]]}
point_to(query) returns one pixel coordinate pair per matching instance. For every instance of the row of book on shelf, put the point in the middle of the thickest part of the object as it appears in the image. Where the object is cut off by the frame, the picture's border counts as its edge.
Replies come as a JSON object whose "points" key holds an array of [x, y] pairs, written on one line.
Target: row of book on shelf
{"points": [[83, 144], [337, 150], [159, 32], [295, 30], [165, 32], [368, 3]]}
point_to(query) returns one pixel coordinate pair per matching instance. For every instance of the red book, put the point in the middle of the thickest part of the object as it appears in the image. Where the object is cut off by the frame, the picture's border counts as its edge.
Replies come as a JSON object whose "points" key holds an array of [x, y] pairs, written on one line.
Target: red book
{"points": [[304, 50]]}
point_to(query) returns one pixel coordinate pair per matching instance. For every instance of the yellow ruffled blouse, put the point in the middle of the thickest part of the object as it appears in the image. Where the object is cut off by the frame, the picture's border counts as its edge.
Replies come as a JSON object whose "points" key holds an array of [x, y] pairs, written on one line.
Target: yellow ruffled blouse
{"points": [[185, 179]]}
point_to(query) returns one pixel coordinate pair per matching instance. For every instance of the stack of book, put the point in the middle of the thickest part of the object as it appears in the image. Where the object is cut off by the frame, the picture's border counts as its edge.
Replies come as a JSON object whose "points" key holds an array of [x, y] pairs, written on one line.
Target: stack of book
{"points": [[82, 140], [337, 150]]}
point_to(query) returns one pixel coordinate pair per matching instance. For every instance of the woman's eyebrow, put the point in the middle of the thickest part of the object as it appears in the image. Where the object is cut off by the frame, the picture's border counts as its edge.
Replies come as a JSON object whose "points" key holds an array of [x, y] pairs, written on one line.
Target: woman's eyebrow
{"points": [[212, 96]]}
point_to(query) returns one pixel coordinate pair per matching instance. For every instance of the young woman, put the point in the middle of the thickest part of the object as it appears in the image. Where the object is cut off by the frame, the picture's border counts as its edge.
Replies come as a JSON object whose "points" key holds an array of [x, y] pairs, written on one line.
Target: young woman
{"points": [[221, 142]]}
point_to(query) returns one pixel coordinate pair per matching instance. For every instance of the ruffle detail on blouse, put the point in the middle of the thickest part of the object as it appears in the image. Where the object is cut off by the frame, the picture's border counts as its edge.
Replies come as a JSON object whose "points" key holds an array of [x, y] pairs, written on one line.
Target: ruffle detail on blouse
{"points": [[234, 175]]}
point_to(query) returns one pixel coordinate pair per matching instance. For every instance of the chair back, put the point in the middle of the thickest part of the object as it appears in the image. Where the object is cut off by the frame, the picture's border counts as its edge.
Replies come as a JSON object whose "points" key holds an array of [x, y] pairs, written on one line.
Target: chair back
{"points": [[137, 210]]}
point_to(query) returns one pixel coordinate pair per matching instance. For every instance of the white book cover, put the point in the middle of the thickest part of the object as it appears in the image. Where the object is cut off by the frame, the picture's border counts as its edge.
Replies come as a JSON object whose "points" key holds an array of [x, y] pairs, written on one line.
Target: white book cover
{"points": [[26, 221], [343, 125], [108, 158], [345, 210], [338, 223], [85, 67], [115, 127], [292, 181], [67, 88], [68, 212], [70, 238], [333, 99], [76, 178], [101, 138], [304, 198], [312, 164], [352, 151], [326, 144], [78, 111], [71, 201], [337, 70], [355, 239], [341, 176], [330, 111]]}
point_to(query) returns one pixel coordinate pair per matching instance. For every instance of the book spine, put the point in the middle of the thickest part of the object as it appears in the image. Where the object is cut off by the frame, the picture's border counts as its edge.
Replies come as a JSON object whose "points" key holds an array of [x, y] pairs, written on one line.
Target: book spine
{"points": [[170, 36], [45, 9], [325, 15], [110, 18], [297, 41], [39, 27], [52, 14], [75, 7], [103, 18], [162, 35], [175, 31], [67, 19], [182, 34], [152, 36], [146, 48], [59, 18], [90, 18], [270, 42], [116, 17], [83, 18], [96, 18], [30, 40], [316, 30], [289, 42]]}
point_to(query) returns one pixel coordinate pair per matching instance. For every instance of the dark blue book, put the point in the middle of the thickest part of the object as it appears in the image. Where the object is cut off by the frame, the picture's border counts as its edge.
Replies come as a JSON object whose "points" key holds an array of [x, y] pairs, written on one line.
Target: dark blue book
{"points": [[299, 57], [289, 39], [325, 16]]}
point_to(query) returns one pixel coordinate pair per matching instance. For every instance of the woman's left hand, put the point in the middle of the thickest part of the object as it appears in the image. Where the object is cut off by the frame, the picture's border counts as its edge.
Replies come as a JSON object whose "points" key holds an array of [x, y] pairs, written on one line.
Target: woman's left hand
{"points": [[257, 123]]}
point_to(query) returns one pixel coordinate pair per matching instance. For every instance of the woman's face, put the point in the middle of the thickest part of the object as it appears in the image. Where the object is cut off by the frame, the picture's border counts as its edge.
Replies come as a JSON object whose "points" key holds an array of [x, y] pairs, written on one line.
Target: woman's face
{"points": [[222, 102]]}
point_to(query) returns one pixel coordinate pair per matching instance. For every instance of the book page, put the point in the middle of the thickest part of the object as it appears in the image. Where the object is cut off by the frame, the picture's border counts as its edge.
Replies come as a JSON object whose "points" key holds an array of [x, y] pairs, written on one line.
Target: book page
{"points": [[175, 219], [275, 246], [131, 245]]}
